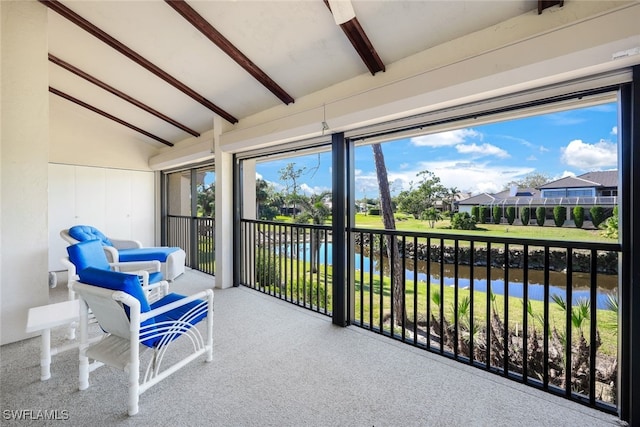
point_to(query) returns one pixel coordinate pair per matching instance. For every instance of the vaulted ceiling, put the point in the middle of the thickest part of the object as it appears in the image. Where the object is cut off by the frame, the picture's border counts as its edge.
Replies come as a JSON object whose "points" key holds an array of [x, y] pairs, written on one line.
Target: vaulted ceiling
{"points": [[165, 68]]}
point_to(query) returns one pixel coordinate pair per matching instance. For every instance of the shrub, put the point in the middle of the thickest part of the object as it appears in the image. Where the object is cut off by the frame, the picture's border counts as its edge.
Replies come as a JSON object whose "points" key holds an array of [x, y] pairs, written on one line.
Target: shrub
{"points": [[597, 215], [541, 215], [484, 214], [497, 214], [525, 216], [559, 215], [267, 269], [475, 212], [374, 211], [463, 221], [611, 231], [511, 214], [578, 216]]}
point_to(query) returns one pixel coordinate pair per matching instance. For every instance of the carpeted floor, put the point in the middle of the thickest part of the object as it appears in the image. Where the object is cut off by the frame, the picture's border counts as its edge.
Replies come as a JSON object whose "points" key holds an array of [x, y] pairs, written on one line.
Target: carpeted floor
{"points": [[276, 364]]}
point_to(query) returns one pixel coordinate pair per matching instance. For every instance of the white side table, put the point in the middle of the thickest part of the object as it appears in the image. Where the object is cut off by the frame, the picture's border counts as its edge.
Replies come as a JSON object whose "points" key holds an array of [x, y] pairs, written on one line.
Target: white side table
{"points": [[42, 319]]}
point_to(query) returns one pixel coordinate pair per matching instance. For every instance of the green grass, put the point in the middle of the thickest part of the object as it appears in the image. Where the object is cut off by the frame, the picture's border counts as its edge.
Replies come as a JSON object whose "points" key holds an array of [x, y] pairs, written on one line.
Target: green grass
{"points": [[300, 284], [493, 230], [557, 317]]}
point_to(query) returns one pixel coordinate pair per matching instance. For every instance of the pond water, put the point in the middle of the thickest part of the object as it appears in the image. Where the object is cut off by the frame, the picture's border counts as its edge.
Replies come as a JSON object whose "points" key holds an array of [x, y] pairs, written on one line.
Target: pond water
{"points": [[607, 284]]}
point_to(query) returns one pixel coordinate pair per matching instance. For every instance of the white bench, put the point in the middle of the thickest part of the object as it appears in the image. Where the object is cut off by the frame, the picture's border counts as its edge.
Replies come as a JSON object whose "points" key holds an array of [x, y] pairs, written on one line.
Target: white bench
{"points": [[42, 319]]}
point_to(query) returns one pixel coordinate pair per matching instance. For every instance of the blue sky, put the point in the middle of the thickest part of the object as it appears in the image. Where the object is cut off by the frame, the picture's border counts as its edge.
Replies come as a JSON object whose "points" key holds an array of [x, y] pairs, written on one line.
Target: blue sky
{"points": [[480, 158]]}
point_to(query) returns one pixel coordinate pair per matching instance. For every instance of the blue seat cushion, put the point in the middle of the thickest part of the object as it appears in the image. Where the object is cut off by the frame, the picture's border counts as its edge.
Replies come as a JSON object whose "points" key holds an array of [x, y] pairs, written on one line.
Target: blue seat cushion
{"points": [[146, 254], [83, 233], [128, 283], [179, 312], [88, 254]]}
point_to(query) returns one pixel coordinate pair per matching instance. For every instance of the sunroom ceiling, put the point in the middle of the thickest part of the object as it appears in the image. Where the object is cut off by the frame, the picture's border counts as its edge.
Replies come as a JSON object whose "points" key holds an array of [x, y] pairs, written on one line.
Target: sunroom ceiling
{"points": [[297, 44]]}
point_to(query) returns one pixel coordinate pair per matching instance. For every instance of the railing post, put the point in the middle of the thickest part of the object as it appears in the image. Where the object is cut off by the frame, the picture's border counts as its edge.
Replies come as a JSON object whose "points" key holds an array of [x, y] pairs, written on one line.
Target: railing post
{"points": [[340, 252], [629, 290]]}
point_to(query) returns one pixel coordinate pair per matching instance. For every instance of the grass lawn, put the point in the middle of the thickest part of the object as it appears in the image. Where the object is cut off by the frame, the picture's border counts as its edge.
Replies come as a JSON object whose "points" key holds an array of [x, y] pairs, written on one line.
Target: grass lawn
{"points": [[311, 289], [406, 223], [557, 316]]}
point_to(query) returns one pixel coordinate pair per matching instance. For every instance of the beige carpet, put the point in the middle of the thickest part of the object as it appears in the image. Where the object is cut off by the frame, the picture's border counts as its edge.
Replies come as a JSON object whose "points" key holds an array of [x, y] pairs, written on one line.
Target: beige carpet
{"points": [[279, 365]]}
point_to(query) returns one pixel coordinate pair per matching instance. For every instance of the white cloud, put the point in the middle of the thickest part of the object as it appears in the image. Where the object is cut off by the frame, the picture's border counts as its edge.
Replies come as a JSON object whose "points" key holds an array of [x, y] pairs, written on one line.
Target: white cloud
{"points": [[587, 156], [482, 150], [614, 130], [446, 139], [466, 176], [258, 175], [532, 158], [566, 174], [308, 190]]}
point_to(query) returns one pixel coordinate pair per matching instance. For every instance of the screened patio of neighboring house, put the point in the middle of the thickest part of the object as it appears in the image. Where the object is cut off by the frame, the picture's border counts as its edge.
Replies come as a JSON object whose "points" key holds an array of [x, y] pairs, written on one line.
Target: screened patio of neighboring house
{"points": [[135, 118]]}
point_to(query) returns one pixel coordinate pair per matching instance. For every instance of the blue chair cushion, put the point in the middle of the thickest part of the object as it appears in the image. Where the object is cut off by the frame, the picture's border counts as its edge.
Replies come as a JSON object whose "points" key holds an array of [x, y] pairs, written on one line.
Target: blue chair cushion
{"points": [[179, 312], [88, 254], [128, 283], [146, 254], [83, 233]]}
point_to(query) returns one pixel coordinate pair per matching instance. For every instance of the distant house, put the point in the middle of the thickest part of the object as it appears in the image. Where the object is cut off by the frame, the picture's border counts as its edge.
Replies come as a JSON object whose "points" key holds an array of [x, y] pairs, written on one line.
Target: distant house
{"points": [[598, 188]]}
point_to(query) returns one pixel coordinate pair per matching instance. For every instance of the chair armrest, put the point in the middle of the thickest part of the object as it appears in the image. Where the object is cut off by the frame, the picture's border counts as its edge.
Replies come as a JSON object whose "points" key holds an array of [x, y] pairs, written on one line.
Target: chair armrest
{"points": [[206, 294], [125, 244], [132, 266]]}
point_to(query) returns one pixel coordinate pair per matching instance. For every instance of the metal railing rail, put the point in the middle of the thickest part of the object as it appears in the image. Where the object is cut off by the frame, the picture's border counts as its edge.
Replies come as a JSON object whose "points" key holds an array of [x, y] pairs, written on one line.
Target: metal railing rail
{"points": [[493, 322], [287, 261], [510, 335], [196, 235]]}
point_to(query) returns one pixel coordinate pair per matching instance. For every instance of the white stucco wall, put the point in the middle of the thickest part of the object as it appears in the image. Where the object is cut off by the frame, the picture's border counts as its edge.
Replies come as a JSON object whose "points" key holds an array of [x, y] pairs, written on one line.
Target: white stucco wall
{"points": [[24, 159], [81, 137]]}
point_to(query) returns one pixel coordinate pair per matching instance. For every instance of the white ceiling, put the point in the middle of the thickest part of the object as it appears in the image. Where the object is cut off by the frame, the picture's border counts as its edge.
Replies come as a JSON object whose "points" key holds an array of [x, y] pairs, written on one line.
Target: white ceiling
{"points": [[296, 43]]}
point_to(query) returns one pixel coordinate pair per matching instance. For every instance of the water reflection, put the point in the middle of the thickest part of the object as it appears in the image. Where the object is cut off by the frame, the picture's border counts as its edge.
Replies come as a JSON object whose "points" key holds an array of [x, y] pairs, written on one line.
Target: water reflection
{"points": [[581, 282]]}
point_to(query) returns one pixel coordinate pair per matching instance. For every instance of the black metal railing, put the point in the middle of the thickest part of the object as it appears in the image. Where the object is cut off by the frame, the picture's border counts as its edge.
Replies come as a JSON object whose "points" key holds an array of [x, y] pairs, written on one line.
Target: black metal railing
{"points": [[540, 312], [509, 306], [288, 261], [196, 235]]}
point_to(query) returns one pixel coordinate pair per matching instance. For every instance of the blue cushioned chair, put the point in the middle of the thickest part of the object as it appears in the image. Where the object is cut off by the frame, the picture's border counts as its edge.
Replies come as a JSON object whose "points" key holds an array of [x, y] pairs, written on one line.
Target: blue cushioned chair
{"points": [[172, 259], [90, 253], [133, 326]]}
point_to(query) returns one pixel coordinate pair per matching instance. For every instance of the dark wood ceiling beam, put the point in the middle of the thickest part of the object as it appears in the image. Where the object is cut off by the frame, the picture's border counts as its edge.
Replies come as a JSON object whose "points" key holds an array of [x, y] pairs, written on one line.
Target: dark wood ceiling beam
{"points": [[361, 43], [195, 19], [543, 4], [107, 115], [78, 72], [129, 53]]}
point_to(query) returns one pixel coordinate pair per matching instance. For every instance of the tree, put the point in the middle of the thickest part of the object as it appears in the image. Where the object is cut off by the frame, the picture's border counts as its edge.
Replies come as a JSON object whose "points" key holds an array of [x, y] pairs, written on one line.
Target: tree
{"points": [[417, 200], [314, 210], [431, 215], [268, 201], [511, 214], [290, 175], [497, 214], [206, 200], [525, 216], [532, 180], [484, 214], [559, 215], [391, 242], [541, 215], [611, 230], [578, 216], [463, 221], [597, 215], [475, 213]]}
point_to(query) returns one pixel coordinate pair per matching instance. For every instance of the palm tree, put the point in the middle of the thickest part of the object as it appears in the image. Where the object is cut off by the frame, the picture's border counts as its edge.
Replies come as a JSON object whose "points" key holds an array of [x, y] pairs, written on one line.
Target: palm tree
{"points": [[314, 210], [391, 242]]}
